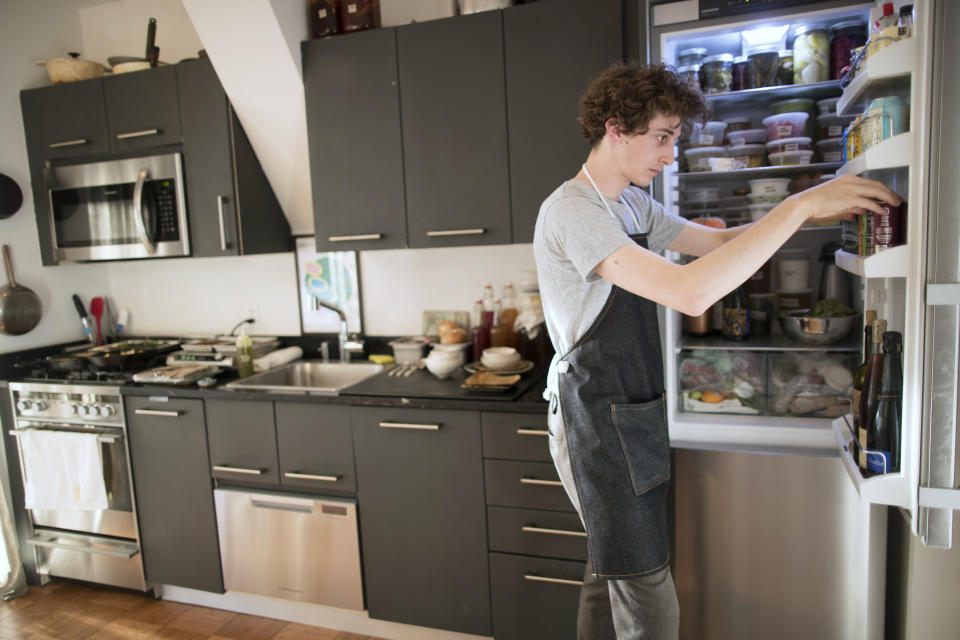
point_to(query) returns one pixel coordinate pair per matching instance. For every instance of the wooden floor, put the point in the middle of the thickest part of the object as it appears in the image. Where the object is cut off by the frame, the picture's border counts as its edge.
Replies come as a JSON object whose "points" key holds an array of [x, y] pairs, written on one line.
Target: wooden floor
{"points": [[73, 610]]}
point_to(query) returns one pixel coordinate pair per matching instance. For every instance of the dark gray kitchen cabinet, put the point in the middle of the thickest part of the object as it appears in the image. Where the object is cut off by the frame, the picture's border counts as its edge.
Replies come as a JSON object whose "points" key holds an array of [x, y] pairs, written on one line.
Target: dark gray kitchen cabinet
{"points": [[65, 120], [455, 131], [315, 446], [231, 206], [171, 478], [243, 441], [356, 157], [553, 49], [142, 109], [534, 598], [420, 494]]}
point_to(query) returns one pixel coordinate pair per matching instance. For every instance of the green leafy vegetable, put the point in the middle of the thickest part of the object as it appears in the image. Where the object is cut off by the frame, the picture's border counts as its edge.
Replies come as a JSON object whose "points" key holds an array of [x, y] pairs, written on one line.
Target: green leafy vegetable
{"points": [[830, 308]]}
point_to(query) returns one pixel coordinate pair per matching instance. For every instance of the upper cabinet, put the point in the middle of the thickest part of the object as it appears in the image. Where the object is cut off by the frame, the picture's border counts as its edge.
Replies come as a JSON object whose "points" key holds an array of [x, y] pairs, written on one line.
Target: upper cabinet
{"points": [[142, 109], [451, 132], [553, 50], [65, 120], [455, 131], [356, 158]]}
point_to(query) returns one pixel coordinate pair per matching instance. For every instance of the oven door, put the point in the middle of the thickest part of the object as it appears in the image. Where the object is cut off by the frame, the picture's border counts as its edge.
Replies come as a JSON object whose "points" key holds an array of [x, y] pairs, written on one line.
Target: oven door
{"points": [[119, 209], [118, 519]]}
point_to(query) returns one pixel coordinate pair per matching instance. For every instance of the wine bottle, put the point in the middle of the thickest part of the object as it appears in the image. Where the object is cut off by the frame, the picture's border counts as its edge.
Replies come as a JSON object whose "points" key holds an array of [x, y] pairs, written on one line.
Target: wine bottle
{"points": [[871, 389], [736, 315], [859, 375], [885, 422]]}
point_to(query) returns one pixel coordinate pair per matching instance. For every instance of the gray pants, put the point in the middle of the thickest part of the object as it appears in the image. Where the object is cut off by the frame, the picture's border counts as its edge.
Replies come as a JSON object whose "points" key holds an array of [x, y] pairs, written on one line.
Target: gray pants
{"points": [[628, 609]]}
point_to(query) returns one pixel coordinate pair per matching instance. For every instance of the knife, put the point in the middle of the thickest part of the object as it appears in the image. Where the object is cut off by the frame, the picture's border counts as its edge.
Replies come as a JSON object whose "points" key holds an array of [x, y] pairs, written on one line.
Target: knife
{"points": [[87, 329]]}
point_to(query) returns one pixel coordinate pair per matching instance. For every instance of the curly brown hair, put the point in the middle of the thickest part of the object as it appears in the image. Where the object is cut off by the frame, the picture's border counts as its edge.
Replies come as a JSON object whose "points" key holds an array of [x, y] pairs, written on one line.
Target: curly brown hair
{"points": [[635, 94]]}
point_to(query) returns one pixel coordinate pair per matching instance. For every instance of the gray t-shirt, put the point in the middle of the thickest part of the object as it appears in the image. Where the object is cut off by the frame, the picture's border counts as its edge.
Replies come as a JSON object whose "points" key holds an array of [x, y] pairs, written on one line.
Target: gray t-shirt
{"points": [[575, 233]]}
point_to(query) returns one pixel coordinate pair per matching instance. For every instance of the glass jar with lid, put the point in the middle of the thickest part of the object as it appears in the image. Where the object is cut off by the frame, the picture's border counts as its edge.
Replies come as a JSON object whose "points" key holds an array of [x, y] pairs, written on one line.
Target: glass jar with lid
{"points": [[811, 54], [690, 75], [785, 66], [716, 73], [691, 56], [739, 74], [763, 66], [359, 15], [844, 38]]}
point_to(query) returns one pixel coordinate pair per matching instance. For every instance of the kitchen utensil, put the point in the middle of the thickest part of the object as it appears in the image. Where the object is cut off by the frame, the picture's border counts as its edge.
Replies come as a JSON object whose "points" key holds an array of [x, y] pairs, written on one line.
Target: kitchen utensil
{"points": [[151, 38], [10, 196], [20, 307], [122, 321], [96, 309], [520, 367], [129, 355], [67, 362], [71, 69], [84, 318], [800, 326]]}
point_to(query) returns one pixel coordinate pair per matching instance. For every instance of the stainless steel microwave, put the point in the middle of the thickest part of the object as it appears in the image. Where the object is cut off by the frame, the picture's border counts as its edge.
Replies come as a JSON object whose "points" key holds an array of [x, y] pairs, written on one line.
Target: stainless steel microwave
{"points": [[118, 209]]}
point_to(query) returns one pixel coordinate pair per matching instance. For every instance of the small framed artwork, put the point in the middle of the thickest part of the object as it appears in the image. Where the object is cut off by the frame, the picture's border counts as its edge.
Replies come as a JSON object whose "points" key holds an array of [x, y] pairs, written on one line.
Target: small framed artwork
{"points": [[330, 276]]}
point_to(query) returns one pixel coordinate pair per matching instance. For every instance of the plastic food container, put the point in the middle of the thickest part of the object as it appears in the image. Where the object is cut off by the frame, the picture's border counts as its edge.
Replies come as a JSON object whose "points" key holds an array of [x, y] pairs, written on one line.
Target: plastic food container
{"points": [[828, 106], [747, 136], [786, 125], [788, 144], [763, 66], [831, 149], [698, 158], [716, 73], [794, 104], [767, 198], [710, 135], [721, 381], [769, 186], [790, 158], [746, 156], [701, 195], [737, 124], [691, 56], [811, 54], [832, 126], [757, 211]]}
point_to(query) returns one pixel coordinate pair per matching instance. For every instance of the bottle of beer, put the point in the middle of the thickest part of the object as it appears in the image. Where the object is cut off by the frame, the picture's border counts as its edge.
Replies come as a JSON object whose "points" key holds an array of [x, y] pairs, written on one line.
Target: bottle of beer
{"points": [[886, 417], [871, 389], [859, 375]]}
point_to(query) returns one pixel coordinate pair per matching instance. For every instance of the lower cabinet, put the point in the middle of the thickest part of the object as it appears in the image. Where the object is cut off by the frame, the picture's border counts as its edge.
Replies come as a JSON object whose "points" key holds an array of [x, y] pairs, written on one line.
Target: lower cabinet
{"points": [[422, 521], [171, 477], [534, 598]]}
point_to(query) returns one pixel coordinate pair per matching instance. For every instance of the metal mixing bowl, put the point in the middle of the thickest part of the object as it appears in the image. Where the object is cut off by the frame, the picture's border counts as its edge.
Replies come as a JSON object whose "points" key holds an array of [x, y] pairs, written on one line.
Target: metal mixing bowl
{"points": [[800, 326]]}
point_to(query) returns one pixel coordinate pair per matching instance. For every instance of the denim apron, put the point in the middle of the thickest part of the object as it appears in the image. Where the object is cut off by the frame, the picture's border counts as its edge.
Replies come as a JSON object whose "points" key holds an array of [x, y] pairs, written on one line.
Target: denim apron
{"points": [[611, 393]]}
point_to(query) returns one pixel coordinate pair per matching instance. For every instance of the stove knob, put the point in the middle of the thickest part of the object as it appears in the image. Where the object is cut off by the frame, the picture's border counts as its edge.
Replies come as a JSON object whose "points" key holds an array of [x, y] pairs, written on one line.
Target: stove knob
{"points": [[40, 405], [107, 410], [83, 409], [75, 409], [24, 405]]}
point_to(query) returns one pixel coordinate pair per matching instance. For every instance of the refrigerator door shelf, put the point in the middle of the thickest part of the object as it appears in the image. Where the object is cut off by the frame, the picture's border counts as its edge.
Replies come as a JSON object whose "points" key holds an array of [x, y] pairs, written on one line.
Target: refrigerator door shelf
{"points": [[892, 153], [883, 489], [889, 263], [880, 75]]}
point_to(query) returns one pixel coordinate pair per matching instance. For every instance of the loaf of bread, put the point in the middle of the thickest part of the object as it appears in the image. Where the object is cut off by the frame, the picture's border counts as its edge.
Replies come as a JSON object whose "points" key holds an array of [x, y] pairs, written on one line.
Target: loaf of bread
{"points": [[453, 336], [446, 325]]}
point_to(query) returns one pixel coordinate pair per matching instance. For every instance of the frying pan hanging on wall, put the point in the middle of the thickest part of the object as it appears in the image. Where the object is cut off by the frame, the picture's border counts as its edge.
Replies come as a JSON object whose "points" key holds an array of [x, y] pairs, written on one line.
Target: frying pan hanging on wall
{"points": [[10, 196]]}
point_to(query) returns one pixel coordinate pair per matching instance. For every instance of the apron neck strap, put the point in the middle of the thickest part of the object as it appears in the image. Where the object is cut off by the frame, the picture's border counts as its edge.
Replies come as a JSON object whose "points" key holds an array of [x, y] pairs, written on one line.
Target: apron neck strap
{"points": [[603, 200]]}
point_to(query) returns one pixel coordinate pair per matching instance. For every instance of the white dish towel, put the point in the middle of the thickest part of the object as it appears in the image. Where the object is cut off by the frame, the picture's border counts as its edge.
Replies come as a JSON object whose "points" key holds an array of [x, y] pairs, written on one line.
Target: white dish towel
{"points": [[63, 470]]}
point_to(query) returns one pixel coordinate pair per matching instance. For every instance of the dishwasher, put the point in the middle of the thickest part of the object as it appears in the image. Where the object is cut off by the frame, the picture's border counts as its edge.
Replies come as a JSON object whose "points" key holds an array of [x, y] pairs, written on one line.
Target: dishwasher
{"points": [[290, 546]]}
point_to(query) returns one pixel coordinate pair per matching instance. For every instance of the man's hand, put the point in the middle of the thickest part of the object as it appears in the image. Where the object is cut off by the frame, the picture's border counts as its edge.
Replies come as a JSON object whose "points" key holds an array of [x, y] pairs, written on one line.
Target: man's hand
{"points": [[844, 197]]}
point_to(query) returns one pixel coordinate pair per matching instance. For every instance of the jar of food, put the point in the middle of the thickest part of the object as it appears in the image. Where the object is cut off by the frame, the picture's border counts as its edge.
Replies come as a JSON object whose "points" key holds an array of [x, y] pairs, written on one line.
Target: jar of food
{"points": [[358, 15], [785, 66], [811, 54], [324, 17], [844, 37], [691, 56], [690, 75], [739, 82], [763, 65], [716, 73]]}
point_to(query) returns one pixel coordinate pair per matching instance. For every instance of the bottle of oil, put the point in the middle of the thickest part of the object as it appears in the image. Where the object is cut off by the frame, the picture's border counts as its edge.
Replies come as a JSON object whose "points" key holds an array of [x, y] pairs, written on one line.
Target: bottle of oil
{"points": [[244, 357]]}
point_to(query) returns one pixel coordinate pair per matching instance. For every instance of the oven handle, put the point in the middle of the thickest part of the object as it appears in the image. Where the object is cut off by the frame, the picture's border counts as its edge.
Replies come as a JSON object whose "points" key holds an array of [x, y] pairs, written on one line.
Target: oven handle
{"points": [[119, 551], [145, 239], [100, 437]]}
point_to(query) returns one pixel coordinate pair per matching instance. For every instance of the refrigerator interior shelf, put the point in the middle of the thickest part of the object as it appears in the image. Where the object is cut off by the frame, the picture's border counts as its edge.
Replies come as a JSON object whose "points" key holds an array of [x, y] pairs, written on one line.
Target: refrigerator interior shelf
{"points": [[878, 73], [891, 153], [759, 434], [759, 172], [815, 90], [889, 263], [882, 489], [773, 342]]}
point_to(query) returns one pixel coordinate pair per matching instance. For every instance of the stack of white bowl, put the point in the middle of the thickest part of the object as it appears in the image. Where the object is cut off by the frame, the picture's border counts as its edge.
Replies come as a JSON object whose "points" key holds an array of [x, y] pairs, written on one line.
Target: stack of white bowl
{"points": [[765, 194]]}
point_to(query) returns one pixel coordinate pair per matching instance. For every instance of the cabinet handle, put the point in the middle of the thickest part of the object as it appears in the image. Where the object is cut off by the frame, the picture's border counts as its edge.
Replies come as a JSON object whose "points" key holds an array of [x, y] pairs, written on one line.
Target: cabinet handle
{"points": [[545, 483], [532, 528], [532, 432], [68, 143], [223, 237], [309, 476], [456, 232], [366, 236], [138, 210], [119, 550], [157, 412], [407, 425], [282, 506], [249, 472], [535, 578], [138, 134]]}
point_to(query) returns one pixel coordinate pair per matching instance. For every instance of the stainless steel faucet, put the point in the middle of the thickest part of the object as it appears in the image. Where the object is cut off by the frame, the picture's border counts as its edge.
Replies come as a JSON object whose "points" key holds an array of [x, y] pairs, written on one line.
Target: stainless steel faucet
{"points": [[345, 344]]}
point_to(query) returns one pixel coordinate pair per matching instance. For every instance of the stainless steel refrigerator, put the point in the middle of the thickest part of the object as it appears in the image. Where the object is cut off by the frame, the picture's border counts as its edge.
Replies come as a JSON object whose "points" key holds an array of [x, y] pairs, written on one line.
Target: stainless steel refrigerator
{"points": [[778, 534]]}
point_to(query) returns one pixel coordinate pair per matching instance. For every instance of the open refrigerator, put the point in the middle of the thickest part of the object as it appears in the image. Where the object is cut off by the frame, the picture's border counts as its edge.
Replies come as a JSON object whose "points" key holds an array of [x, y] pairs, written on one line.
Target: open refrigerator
{"points": [[725, 485]]}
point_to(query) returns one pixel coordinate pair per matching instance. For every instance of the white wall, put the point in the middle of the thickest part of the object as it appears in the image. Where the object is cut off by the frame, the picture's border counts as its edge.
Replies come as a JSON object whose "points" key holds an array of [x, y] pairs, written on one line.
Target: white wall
{"points": [[194, 296]]}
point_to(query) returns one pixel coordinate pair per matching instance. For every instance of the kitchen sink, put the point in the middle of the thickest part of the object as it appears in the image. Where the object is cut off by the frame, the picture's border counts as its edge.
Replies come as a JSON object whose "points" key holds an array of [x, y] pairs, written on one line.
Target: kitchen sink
{"points": [[309, 376]]}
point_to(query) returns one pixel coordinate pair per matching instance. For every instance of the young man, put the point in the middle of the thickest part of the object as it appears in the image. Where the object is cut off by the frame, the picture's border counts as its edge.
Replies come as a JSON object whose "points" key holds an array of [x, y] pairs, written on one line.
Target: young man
{"points": [[597, 246]]}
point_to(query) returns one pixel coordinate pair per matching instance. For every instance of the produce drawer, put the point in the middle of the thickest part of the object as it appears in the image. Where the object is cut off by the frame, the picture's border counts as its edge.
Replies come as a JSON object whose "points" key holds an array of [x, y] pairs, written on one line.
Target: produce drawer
{"points": [[534, 598], [516, 436], [810, 384], [532, 485], [722, 381], [537, 533]]}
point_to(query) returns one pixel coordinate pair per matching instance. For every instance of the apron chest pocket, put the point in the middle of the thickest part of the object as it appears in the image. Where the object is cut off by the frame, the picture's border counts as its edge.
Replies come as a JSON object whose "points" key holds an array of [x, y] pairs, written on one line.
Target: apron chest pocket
{"points": [[642, 430]]}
